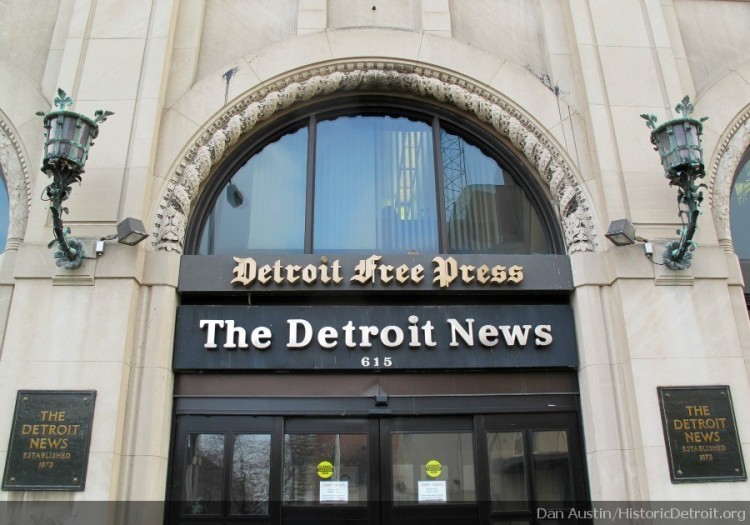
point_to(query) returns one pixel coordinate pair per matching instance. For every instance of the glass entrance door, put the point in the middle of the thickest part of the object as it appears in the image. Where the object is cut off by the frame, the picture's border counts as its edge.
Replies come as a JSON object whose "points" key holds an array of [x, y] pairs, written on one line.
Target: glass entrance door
{"points": [[533, 462], [429, 470], [330, 471], [470, 469]]}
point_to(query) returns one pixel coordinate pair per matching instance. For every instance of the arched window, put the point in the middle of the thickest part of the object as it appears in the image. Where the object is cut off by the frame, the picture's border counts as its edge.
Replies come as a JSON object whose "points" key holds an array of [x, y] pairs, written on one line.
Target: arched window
{"points": [[739, 209], [4, 212], [373, 176], [739, 219]]}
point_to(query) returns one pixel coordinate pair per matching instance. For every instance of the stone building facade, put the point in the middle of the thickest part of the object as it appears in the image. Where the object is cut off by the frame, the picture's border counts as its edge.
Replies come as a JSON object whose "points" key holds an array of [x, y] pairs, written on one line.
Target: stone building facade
{"points": [[559, 84]]}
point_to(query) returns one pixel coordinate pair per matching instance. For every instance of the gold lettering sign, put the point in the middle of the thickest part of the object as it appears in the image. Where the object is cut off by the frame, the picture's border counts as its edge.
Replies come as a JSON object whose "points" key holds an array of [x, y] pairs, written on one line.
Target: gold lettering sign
{"points": [[247, 272], [49, 442], [700, 434], [374, 271]]}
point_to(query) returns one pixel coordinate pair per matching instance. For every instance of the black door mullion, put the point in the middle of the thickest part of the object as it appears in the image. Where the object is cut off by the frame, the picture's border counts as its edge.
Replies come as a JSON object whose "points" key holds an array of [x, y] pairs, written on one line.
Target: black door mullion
{"points": [[482, 470], [177, 473], [275, 494], [439, 186], [228, 463], [578, 471], [528, 458], [310, 198], [385, 461], [376, 468]]}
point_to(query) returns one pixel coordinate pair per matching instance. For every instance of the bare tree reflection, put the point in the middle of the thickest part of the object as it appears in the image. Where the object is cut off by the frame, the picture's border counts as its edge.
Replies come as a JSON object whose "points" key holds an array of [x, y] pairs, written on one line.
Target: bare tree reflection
{"points": [[251, 468]]}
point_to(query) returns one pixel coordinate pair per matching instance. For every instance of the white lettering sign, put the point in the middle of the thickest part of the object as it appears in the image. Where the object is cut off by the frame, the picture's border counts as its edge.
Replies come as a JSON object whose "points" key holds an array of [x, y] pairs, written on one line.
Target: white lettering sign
{"points": [[413, 334], [397, 337]]}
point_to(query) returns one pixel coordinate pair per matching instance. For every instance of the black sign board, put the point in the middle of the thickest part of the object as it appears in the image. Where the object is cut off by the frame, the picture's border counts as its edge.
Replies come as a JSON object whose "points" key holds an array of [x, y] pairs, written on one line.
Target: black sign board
{"points": [[701, 434], [49, 441], [374, 337]]}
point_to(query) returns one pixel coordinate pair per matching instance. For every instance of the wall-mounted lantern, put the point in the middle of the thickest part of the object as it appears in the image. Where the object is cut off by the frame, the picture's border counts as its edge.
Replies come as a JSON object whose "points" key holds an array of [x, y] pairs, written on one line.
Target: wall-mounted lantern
{"points": [[678, 142], [68, 138]]}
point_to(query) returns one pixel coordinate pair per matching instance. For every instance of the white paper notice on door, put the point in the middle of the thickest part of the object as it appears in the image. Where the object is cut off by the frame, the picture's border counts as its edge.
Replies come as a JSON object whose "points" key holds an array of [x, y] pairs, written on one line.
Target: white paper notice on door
{"points": [[334, 491], [431, 491]]}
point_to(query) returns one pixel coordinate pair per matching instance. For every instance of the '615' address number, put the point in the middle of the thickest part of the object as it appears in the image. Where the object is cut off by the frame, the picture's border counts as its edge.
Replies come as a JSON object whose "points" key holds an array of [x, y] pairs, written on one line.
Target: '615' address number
{"points": [[376, 362]]}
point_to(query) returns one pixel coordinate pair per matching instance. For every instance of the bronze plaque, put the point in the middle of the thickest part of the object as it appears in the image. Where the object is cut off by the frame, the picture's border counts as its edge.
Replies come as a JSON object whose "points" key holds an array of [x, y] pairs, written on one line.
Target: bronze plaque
{"points": [[49, 441], [701, 434]]}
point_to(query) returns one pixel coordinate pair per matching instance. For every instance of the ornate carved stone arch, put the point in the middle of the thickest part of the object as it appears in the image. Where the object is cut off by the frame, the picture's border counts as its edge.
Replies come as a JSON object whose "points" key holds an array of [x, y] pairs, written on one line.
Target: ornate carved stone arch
{"points": [[15, 169], [568, 195], [731, 147]]}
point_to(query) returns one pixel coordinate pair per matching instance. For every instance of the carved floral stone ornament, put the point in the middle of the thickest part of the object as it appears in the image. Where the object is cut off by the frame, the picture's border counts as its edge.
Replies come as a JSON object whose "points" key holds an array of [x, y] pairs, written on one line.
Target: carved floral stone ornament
{"points": [[15, 171], [241, 118], [732, 146]]}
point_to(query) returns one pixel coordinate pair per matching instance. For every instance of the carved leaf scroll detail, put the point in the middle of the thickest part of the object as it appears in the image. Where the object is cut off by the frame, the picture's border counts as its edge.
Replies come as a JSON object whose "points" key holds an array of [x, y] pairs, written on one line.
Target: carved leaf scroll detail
{"points": [[18, 184]]}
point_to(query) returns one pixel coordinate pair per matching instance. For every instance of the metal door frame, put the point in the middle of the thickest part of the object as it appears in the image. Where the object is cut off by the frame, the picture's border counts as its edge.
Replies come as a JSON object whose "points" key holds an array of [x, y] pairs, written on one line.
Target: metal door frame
{"points": [[240, 414]]}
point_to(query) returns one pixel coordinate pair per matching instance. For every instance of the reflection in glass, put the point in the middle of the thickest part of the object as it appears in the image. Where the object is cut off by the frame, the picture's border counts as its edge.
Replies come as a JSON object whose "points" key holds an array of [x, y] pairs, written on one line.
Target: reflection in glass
{"points": [[505, 451], [348, 457], [375, 186], [740, 212], [251, 472], [374, 190], [553, 481], [486, 211], [263, 206], [204, 473], [454, 451]]}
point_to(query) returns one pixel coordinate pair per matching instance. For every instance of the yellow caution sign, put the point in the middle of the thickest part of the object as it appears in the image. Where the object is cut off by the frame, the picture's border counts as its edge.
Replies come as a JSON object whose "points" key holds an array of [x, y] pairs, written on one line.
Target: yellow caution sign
{"points": [[433, 468], [325, 469]]}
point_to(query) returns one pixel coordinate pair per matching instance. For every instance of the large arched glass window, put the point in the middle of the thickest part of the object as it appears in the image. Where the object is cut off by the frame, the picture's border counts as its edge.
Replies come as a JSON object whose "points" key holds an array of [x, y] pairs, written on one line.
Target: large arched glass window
{"points": [[386, 180], [739, 210]]}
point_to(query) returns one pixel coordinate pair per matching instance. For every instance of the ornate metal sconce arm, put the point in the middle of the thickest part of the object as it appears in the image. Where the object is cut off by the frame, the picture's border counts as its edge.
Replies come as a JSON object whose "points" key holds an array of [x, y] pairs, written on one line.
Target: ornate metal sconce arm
{"points": [[678, 253], [71, 252]]}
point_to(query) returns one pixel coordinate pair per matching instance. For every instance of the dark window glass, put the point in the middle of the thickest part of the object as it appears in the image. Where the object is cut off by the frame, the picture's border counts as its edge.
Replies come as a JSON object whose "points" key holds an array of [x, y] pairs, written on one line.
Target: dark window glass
{"points": [[552, 476], [375, 186], [263, 206], [740, 212], [505, 451], [375, 189], [204, 474]]}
